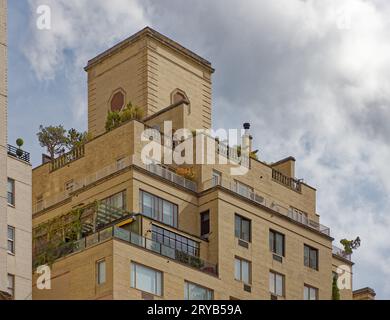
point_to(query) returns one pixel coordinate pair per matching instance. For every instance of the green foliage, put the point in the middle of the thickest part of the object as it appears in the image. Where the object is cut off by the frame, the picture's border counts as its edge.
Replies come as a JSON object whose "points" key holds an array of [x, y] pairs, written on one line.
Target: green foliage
{"points": [[130, 112], [19, 142], [52, 138], [75, 138], [350, 245], [335, 290]]}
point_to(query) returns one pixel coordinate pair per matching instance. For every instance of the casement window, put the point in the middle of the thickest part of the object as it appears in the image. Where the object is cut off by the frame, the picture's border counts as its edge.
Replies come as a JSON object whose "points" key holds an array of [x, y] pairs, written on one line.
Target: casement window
{"points": [[101, 272], [276, 243], [11, 240], [310, 293], [204, 223], [242, 228], [175, 241], [117, 201], [159, 209], [195, 292], [276, 284], [11, 192], [11, 285], [217, 178], [146, 279], [310, 257], [242, 270]]}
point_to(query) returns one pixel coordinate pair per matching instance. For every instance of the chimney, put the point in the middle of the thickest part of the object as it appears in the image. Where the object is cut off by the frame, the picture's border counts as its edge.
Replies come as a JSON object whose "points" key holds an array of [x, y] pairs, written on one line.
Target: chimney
{"points": [[246, 140]]}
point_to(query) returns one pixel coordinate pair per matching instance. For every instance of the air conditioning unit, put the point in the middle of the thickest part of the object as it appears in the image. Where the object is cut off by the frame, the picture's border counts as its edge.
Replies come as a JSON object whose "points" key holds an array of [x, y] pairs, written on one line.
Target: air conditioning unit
{"points": [[247, 288]]}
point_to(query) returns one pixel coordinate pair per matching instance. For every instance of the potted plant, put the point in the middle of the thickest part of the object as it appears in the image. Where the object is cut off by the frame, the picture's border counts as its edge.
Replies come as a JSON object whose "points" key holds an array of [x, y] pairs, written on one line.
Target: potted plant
{"points": [[19, 151]]}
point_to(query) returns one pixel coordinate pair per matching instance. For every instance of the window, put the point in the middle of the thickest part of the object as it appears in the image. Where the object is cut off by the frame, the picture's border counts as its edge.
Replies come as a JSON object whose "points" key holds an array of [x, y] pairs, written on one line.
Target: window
{"points": [[101, 272], [11, 240], [146, 279], [11, 285], [195, 292], [117, 201], [117, 101], [217, 178], [310, 293], [276, 243], [243, 189], [158, 209], [242, 228], [242, 270], [311, 257], [175, 241], [204, 223], [11, 192], [276, 284]]}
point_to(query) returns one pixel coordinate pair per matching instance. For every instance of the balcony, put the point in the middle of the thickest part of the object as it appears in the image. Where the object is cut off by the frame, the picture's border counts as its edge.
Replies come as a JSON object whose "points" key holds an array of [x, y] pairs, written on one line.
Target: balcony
{"points": [[67, 158], [289, 182], [18, 153], [255, 196], [130, 238], [167, 174], [341, 253]]}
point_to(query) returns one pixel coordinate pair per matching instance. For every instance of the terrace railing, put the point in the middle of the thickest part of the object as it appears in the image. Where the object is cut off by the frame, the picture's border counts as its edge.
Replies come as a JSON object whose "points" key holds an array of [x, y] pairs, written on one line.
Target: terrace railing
{"points": [[67, 158], [18, 153], [131, 238], [289, 182], [340, 252]]}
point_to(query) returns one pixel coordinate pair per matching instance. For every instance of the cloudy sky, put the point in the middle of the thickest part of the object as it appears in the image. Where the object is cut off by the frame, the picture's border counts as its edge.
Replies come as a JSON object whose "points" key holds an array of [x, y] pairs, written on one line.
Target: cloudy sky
{"points": [[312, 76]]}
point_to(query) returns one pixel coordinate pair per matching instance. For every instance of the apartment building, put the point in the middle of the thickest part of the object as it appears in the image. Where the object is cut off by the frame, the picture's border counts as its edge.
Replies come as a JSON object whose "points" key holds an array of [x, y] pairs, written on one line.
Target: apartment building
{"points": [[15, 197], [113, 226]]}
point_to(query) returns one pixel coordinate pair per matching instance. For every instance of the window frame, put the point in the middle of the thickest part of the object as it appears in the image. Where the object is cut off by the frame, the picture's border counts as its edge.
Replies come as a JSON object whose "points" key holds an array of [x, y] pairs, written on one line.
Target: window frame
{"points": [[11, 194], [99, 281], [204, 224], [133, 278], [241, 260], [157, 209], [11, 289], [275, 275], [308, 261], [310, 288], [273, 248], [175, 241], [11, 240], [241, 220], [186, 291]]}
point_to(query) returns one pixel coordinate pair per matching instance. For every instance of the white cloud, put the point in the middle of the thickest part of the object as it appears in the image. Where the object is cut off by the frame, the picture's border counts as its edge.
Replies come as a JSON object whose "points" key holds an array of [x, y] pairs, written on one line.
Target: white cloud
{"points": [[80, 30]]}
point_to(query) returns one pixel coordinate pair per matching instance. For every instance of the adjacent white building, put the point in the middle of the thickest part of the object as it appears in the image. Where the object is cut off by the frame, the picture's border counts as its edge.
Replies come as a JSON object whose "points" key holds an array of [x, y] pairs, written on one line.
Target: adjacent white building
{"points": [[15, 197]]}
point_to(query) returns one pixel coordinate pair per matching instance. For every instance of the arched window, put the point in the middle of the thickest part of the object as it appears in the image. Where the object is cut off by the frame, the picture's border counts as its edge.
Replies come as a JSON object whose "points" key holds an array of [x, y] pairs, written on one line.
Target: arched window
{"points": [[117, 100]]}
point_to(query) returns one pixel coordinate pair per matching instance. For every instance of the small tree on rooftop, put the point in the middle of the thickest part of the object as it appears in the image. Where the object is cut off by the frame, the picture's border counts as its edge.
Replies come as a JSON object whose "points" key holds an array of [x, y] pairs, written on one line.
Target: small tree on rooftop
{"points": [[53, 139], [75, 138], [335, 290]]}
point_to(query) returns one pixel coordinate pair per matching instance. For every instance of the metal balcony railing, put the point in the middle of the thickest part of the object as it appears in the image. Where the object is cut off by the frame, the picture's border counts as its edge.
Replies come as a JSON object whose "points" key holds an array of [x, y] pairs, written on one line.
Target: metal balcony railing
{"points": [[131, 238], [340, 252], [18, 153], [171, 176]]}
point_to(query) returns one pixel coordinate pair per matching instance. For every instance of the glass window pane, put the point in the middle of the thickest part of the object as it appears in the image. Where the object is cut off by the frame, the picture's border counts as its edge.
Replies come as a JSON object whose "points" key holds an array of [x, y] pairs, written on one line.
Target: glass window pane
{"points": [[147, 204], [168, 213], [272, 282], [306, 293], [279, 244], [246, 227], [237, 225], [307, 256], [279, 285], [271, 241], [313, 258], [101, 272], [245, 271], [237, 269]]}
